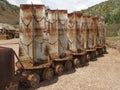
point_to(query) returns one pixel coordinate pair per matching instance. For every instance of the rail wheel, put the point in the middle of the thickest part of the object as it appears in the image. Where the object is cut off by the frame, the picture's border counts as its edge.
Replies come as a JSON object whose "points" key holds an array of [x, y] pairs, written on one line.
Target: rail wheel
{"points": [[34, 80], [59, 69], [76, 62], [68, 65], [12, 86], [88, 57], [48, 74]]}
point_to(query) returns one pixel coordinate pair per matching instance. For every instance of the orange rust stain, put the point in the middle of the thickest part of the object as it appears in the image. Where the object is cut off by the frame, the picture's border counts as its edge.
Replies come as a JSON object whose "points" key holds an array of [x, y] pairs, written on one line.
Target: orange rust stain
{"points": [[79, 14], [63, 11], [25, 6], [38, 6], [28, 17]]}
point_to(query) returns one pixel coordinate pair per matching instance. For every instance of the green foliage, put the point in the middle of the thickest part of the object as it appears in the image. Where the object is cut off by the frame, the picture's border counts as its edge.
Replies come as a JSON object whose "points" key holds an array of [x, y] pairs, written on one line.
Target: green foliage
{"points": [[110, 10], [116, 17], [17, 24]]}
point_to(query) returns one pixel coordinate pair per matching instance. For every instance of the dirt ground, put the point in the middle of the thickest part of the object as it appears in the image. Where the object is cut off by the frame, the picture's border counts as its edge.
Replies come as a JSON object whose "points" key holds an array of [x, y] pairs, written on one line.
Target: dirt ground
{"points": [[103, 74]]}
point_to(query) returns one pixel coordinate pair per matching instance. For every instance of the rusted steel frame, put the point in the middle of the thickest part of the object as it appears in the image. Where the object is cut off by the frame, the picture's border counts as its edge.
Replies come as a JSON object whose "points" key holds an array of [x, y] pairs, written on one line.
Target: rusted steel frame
{"points": [[18, 59]]}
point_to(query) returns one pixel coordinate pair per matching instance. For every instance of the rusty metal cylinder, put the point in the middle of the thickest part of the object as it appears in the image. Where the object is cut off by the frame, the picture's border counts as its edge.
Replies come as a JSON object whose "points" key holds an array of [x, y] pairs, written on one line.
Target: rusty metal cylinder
{"points": [[57, 29], [95, 30], [76, 32], [90, 34], [33, 33]]}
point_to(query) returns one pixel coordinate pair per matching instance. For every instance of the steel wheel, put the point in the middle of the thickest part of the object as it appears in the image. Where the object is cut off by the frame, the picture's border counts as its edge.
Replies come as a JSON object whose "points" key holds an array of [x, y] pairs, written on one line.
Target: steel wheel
{"points": [[76, 62], [12, 86], [88, 57], [34, 80], [59, 69], [68, 65], [48, 74]]}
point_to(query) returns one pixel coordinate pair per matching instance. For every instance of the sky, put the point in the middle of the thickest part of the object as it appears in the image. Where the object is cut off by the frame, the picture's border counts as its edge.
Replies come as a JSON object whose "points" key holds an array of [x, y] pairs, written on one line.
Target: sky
{"points": [[70, 5]]}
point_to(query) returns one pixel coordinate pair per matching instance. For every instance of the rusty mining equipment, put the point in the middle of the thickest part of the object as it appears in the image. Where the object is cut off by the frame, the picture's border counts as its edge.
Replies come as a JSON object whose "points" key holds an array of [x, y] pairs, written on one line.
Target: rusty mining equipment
{"points": [[50, 41], [34, 53], [90, 35], [77, 39], [58, 41], [99, 39]]}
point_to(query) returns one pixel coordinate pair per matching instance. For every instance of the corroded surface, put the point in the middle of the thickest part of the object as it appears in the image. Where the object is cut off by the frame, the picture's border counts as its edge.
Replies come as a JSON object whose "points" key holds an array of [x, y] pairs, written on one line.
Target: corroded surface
{"points": [[33, 33]]}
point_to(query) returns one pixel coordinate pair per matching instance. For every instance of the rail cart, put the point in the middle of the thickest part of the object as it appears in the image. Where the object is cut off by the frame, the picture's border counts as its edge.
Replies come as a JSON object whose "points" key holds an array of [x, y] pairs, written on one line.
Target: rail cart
{"points": [[90, 47], [57, 42], [76, 37], [34, 53]]}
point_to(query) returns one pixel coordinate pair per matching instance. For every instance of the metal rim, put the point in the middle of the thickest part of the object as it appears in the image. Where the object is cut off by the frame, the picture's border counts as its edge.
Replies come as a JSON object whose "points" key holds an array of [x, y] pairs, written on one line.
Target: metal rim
{"points": [[88, 57], [59, 69], [76, 62]]}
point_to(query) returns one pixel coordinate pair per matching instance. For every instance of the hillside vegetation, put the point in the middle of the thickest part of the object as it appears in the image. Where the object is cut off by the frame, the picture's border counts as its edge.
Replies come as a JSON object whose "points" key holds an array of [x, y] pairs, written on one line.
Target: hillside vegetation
{"points": [[8, 13], [110, 10]]}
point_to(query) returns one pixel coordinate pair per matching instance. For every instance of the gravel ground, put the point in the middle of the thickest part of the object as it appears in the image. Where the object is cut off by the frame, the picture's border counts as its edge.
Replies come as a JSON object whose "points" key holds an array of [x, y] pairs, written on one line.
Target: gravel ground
{"points": [[103, 74]]}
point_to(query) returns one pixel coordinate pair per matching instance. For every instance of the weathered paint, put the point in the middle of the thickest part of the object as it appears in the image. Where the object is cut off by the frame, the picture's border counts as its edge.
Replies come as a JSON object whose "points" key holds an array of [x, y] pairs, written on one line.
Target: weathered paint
{"points": [[101, 33], [33, 33], [62, 32], [57, 29], [53, 33], [95, 30], [72, 32], [76, 32], [25, 31], [90, 39], [81, 31]]}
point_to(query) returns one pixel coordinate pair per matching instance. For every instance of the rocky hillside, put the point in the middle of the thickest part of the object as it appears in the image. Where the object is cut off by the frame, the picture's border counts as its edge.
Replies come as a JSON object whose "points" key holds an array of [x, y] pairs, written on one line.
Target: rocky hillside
{"points": [[110, 10], [8, 13]]}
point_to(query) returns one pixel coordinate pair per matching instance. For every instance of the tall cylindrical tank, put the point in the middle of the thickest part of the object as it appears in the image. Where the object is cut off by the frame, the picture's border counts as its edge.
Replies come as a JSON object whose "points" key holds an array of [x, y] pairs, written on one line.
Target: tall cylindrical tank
{"points": [[33, 33], [57, 28], [72, 32], [95, 29], [90, 39], [76, 32]]}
